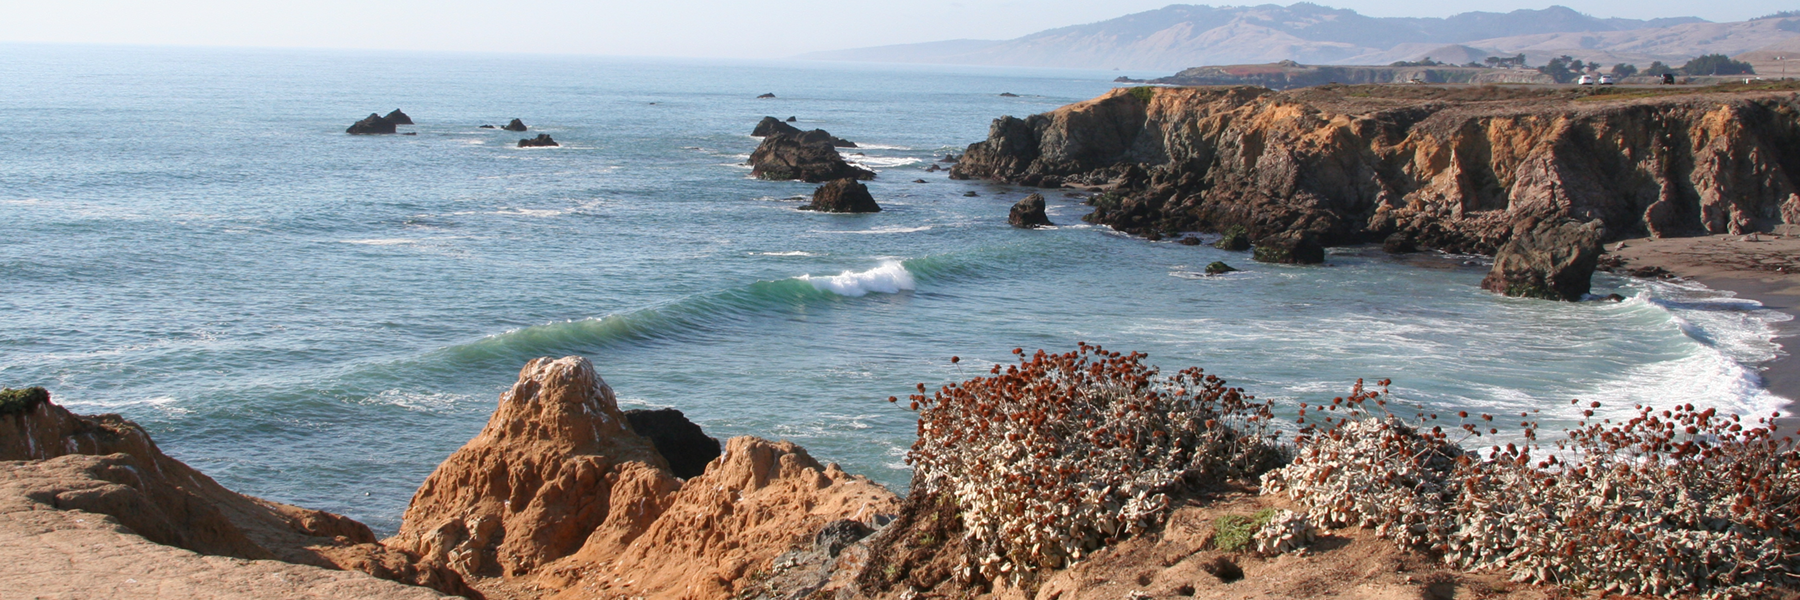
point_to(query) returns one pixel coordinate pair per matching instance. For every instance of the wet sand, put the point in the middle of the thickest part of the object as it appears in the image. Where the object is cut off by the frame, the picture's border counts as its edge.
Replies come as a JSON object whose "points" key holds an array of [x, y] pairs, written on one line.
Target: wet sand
{"points": [[1766, 269]]}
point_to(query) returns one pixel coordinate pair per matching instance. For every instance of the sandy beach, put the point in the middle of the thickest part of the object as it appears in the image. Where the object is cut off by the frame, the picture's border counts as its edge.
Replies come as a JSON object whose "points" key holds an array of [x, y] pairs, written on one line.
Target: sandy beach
{"points": [[1764, 268]]}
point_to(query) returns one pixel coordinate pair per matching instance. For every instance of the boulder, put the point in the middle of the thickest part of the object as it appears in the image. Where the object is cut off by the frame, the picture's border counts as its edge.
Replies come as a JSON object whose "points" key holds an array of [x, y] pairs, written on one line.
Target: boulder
{"points": [[398, 118], [1290, 247], [770, 126], [1188, 241], [1218, 267], [371, 124], [768, 95], [918, 181], [1029, 213], [1552, 261], [1235, 239], [1399, 243], [843, 196], [792, 119], [515, 125], [971, 194], [543, 140], [678, 440], [785, 157]]}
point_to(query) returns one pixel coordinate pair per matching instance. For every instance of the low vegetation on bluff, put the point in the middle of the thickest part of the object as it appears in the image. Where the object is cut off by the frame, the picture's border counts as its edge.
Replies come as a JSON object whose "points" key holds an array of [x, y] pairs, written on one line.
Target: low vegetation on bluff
{"points": [[1040, 464]]}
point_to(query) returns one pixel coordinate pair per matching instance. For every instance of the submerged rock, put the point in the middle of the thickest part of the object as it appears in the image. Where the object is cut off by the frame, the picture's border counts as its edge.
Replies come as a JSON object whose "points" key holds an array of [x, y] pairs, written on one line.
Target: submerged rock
{"points": [[1549, 262], [543, 140], [1218, 267], [488, 127], [398, 118], [1029, 213], [1235, 239], [1290, 247], [787, 157], [371, 124], [1188, 241], [515, 125], [767, 95], [680, 441], [1008, 95], [843, 196], [1399, 243]]}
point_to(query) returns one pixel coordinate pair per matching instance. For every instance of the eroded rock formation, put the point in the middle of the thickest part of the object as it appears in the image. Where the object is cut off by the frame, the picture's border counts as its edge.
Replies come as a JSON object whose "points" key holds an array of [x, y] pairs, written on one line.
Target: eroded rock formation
{"points": [[770, 126], [398, 118], [109, 469], [1029, 213], [1453, 169], [515, 125], [678, 440], [543, 140], [843, 196], [1551, 261], [371, 124], [813, 160]]}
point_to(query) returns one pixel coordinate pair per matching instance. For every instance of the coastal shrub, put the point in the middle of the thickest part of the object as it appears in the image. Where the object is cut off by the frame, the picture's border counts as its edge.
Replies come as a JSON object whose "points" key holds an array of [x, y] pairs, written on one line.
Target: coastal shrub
{"points": [[1232, 533], [1143, 93], [1677, 501], [21, 401], [1061, 454]]}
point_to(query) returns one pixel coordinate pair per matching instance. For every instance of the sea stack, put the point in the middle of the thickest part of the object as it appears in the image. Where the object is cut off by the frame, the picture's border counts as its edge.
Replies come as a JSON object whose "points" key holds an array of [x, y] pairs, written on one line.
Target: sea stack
{"points": [[770, 126], [812, 159], [372, 124], [541, 141], [1549, 262], [1029, 213], [515, 125], [845, 195], [398, 118]]}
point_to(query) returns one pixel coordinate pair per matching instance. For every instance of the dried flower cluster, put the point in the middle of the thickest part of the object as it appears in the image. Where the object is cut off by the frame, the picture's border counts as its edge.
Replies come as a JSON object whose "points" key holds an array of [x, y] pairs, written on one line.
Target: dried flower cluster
{"points": [[1677, 501], [1061, 454]]}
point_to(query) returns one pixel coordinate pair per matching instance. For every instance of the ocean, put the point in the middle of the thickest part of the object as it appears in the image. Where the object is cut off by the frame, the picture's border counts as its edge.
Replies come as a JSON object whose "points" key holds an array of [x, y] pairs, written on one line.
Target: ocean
{"points": [[189, 238]]}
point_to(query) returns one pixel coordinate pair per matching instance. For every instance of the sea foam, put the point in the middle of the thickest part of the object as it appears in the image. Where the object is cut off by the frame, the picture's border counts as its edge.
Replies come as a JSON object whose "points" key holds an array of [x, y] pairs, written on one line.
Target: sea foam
{"points": [[889, 278]]}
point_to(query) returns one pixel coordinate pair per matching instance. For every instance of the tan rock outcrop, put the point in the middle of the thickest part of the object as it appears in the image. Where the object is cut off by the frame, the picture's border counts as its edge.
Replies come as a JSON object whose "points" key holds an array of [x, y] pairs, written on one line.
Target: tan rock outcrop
{"points": [[109, 469], [538, 479]]}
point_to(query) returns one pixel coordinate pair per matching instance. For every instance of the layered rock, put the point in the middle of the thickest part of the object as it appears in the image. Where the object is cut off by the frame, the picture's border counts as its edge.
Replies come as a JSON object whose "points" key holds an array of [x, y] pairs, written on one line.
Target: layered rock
{"points": [[843, 196], [515, 125], [398, 118], [785, 157], [1456, 169], [1029, 213], [108, 467], [1553, 261], [371, 124]]}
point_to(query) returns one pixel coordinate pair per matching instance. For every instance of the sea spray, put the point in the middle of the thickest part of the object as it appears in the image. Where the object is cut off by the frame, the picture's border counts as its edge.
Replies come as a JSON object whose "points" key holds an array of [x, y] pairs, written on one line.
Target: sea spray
{"points": [[889, 278]]}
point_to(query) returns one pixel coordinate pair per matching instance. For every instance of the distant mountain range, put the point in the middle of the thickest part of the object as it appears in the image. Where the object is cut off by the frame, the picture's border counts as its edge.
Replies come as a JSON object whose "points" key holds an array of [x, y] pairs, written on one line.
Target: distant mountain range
{"points": [[1180, 36]]}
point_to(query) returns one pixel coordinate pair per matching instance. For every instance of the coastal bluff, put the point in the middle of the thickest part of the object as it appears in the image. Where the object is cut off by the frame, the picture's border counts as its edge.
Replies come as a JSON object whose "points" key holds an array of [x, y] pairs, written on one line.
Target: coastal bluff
{"points": [[1461, 169]]}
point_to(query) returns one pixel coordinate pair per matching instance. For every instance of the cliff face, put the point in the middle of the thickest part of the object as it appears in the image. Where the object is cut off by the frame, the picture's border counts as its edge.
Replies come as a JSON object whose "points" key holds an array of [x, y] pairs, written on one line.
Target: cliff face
{"points": [[1458, 169]]}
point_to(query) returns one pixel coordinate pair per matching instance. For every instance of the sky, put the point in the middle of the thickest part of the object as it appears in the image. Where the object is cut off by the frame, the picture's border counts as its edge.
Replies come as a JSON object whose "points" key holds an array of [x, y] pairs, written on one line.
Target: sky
{"points": [[682, 28]]}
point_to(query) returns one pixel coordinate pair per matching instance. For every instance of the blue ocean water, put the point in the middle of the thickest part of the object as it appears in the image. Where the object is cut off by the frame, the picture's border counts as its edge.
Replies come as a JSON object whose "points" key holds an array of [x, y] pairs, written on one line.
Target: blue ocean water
{"points": [[187, 237]]}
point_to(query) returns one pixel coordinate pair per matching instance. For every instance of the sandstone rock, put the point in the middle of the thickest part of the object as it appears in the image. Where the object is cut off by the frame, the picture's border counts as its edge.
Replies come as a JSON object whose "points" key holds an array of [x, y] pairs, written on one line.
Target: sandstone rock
{"points": [[515, 125], [106, 465], [1289, 247], [371, 124], [680, 442], [784, 157], [1235, 239], [398, 118], [771, 125], [1029, 213], [843, 196], [1218, 267], [1550, 262], [539, 479], [543, 140]]}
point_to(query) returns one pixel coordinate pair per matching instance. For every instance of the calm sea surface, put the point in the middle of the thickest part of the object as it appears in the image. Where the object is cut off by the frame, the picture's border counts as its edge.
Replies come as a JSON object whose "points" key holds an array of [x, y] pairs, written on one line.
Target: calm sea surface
{"points": [[188, 237]]}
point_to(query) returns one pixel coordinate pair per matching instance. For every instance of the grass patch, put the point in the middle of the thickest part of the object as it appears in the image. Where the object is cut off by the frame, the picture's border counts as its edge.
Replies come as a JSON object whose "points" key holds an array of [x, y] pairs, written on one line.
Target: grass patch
{"points": [[18, 402], [1143, 93], [1232, 533]]}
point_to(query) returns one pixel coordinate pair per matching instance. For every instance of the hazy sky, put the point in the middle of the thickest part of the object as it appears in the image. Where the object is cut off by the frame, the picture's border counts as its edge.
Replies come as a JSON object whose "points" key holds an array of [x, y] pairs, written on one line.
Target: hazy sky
{"points": [[716, 28]]}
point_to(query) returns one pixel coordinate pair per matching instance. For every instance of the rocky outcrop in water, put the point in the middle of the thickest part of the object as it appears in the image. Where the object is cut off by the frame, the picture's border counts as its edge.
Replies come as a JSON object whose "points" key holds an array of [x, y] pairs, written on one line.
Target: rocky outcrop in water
{"points": [[398, 118], [371, 124], [1289, 247], [143, 504], [1549, 262], [1455, 169], [678, 440], [543, 140], [1029, 213], [770, 126], [813, 160], [843, 196], [515, 125]]}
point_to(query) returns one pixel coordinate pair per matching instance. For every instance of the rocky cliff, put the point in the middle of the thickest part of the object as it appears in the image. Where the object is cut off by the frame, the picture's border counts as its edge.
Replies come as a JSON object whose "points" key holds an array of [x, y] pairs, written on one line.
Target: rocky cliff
{"points": [[1454, 168]]}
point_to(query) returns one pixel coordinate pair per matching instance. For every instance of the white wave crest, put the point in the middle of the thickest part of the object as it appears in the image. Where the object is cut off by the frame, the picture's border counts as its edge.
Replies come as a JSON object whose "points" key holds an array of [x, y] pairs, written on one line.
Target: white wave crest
{"points": [[381, 242], [883, 162], [788, 253], [876, 230], [889, 278]]}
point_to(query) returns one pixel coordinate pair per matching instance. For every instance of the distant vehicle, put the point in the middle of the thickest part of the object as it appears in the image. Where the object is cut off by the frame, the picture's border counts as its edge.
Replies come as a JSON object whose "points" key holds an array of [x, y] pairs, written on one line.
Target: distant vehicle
{"points": [[1585, 80], [1606, 80], [1668, 79]]}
